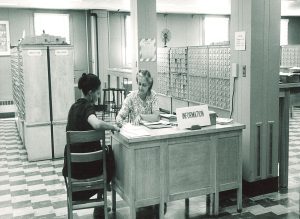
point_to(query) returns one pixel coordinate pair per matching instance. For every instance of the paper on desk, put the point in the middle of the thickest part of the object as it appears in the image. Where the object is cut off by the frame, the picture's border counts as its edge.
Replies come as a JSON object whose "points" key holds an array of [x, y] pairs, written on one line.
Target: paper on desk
{"points": [[166, 115], [223, 121], [286, 74], [133, 131], [295, 70], [160, 122]]}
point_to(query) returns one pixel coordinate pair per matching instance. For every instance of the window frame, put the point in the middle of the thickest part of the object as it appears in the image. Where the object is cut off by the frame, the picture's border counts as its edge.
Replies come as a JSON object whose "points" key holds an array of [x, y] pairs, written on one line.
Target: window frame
{"points": [[68, 36], [204, 30], [283, 41]]}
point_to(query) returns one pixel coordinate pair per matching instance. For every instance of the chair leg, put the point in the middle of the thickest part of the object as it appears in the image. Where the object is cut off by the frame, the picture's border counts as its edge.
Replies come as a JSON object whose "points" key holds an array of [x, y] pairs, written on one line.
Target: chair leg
{"points": [[187, 206], [70, 210], [69, 201], [113, 191], [105, 203]]}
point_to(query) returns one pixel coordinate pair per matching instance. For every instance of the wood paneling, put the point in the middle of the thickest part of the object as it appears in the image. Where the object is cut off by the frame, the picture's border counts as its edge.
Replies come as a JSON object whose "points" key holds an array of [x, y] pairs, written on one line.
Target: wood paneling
{"points": [[147, 171], [122, 162], [172, 164], [189, 166], [227, 152]]}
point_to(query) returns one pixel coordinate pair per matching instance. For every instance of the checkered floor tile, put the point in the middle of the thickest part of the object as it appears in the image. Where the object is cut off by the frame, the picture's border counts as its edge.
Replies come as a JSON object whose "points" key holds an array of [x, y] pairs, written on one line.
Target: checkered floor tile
{"points": [[37, 190]]}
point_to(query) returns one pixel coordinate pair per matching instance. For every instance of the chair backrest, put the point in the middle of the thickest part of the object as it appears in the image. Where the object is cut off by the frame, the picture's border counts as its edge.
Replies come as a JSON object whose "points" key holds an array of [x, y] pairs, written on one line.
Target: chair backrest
{"points": [[74, 137], [114, 95], [120, 93]]}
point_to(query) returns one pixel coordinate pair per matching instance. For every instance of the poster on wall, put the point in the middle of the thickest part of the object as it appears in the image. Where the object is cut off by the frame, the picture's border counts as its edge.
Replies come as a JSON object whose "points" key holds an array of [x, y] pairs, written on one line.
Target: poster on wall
{"points": [[240, 40], [147, 50], [4, 38]]}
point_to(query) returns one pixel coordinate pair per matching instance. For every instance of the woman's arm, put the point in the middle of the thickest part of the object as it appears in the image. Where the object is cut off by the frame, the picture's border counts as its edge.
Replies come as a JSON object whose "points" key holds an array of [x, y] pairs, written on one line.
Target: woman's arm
{"points": [[99, 124], [124, 112]]}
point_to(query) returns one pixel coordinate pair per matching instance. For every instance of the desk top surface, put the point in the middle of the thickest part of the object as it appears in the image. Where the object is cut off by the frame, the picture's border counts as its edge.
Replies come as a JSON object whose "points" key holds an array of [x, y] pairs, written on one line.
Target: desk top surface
{"points": [[142, 133], [288, 85]]}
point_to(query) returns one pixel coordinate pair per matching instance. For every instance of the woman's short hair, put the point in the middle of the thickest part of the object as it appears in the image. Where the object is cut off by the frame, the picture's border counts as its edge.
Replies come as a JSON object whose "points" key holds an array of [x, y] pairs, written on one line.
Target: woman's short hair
{"points": [[147, 75], [88, 82]]}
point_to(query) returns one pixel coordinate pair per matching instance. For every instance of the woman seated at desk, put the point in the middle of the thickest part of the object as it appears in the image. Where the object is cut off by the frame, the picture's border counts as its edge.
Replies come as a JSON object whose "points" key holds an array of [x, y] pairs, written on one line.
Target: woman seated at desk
{"points": [[141, 104], [82, 117]]}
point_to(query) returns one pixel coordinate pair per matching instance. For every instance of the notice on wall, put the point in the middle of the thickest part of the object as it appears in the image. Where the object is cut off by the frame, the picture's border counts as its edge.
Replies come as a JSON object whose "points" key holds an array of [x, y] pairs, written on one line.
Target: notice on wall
{"points": [[187, 117], [4, 38], [61, 52], [34, 52], [240, 40], [147, 50]]}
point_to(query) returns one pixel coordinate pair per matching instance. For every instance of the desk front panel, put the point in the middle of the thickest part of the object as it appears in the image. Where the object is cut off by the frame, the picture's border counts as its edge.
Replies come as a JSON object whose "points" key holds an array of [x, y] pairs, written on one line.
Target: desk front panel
{"points": [[189, 167], [147, 172], [151, 170], [228, 161], [138, 166]]}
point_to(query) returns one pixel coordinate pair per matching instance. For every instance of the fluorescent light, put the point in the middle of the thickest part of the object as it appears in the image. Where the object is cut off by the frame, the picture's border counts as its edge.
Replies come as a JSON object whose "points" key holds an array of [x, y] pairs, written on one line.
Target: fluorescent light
{"points": [[8, 4]]}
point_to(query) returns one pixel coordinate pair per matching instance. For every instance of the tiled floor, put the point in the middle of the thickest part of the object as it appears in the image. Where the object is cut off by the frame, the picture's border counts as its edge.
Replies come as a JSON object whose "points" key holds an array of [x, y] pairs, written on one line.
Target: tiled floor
{"points": [[37, 190]]}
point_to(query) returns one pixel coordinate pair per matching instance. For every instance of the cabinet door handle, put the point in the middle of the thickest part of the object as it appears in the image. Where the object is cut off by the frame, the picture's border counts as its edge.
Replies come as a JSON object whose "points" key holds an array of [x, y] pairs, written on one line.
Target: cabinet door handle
{"points": [[258, 148], [270, 144]]}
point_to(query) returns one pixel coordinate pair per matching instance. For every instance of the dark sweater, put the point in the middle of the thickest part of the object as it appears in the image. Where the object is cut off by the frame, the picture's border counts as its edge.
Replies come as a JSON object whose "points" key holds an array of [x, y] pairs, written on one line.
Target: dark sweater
{"points": [[77, 121]]}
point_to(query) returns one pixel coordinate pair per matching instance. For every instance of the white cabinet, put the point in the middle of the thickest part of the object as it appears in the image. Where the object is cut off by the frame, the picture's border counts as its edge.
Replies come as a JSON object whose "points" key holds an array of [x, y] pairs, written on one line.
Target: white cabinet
{"points": [[47, 93]]}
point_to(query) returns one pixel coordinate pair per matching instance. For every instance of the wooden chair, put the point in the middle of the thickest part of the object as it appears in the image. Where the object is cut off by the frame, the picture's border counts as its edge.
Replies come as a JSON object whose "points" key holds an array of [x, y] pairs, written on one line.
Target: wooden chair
{"points": [[95, 183]]}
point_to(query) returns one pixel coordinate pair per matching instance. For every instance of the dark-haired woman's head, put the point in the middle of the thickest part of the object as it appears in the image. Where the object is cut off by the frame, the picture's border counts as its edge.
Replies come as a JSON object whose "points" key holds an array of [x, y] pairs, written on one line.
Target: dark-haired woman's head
{"points": [[89, 84], [144, 81]]}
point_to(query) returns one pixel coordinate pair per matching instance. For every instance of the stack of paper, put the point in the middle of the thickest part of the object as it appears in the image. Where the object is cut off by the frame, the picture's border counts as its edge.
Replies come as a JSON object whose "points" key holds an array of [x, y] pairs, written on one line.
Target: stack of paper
{"points": [[294, 70], [133, 131], [156, 125], [168, 117], [223, 121]]}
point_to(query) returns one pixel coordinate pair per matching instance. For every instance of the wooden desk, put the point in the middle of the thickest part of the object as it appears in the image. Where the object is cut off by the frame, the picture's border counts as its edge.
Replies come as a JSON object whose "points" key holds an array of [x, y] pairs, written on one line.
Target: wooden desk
{"points": [[173, 164], [285, 91]]}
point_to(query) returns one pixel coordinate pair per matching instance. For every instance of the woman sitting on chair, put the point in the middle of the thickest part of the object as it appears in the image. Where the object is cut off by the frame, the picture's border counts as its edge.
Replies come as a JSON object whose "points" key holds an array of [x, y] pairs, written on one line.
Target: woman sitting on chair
{"points": [[141, 104], [82, 117]]}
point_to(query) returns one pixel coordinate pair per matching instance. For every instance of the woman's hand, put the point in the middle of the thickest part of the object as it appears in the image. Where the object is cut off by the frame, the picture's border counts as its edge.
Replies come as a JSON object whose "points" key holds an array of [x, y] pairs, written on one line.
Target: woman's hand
{"points": [[137, 120], [115, 128], [119, 124]]}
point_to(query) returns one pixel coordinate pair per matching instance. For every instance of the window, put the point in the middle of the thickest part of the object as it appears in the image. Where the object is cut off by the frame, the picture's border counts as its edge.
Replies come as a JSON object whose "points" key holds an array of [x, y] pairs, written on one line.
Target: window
{"points": [[128, 41], [284, 23], [52, 24], [216, 30]]}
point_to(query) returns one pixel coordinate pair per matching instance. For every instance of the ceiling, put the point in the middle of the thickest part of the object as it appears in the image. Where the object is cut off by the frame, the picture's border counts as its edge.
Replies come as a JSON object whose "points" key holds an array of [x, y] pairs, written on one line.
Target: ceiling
{"points": [[288, 7]]}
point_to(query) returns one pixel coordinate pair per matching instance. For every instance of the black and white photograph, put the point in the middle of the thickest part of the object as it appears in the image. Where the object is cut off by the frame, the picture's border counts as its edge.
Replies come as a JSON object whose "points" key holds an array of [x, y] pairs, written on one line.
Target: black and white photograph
{"points": [[149, 109]]}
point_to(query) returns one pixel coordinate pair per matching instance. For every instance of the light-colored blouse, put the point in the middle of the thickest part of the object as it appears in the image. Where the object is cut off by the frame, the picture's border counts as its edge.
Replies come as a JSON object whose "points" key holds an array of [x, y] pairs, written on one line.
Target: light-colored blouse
{"points": [[134, 106]]}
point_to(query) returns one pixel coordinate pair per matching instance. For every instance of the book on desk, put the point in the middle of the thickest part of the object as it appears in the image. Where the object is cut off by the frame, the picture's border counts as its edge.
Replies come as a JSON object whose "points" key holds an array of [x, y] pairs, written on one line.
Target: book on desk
{"points": [[168, 117], [157, 125]]}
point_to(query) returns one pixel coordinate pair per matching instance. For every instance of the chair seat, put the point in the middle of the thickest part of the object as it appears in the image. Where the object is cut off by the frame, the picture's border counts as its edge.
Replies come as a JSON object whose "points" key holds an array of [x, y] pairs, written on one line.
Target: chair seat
{"points": [[86, 184]]}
